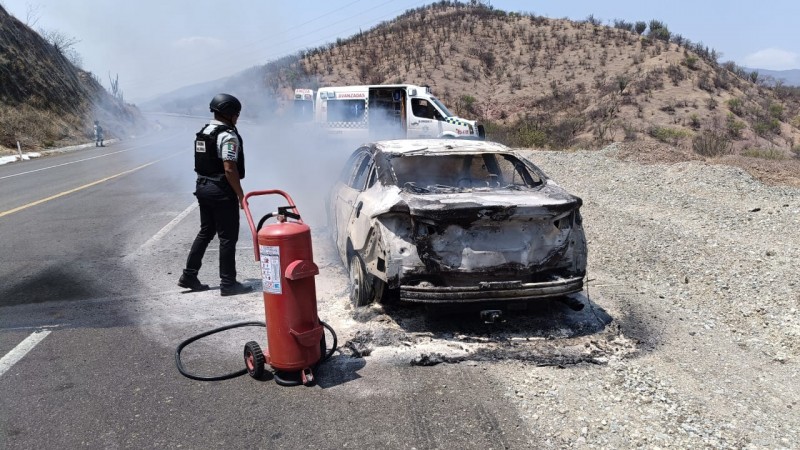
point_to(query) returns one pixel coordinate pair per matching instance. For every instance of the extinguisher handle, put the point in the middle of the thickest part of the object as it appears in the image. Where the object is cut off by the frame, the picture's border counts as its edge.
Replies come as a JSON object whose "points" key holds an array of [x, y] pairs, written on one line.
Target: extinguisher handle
{"points": [[246, 205]]}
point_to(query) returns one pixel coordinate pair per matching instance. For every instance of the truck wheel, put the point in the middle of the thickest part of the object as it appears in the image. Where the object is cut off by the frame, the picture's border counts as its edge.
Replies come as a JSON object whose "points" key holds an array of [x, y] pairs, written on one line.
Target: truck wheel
{"points": [[361, 292], [254, 360]]}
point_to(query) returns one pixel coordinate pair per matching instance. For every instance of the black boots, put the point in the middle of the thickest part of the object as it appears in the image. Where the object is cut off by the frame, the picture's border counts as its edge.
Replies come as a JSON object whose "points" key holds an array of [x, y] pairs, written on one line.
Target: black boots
{"points": [[191, 282], [235, 289]]}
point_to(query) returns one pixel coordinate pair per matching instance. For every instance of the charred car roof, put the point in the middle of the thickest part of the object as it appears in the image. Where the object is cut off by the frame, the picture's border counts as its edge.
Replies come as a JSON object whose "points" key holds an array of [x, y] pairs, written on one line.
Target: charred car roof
{"points": [[401, 147], [384, 152]]}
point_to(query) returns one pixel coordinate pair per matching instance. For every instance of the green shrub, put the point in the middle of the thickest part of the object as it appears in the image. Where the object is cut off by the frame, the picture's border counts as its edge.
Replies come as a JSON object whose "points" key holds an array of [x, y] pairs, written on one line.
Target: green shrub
{"points": [[736, 106], [694, 121], [675, 74], [630, 132], [776, 111], [711, 143], [659, 30], [691, 62], [467, 102], [734, 126], [530, 137], [668, 135], [562, 134], [767, 127], [763, 153], [705, 83]]}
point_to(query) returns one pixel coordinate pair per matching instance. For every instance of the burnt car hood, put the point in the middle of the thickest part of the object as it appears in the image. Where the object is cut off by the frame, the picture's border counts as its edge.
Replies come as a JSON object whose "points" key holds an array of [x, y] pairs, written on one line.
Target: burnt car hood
{"points": [[549, 200]]}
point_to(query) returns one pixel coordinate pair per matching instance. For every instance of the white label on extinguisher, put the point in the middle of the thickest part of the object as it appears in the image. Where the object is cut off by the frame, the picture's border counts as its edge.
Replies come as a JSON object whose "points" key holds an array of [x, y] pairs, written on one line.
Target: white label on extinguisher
{"points": [[271, 269]]}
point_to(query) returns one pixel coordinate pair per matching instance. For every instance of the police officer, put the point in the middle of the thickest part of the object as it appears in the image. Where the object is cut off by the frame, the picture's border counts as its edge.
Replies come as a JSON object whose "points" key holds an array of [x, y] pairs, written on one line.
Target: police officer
{"points": [[219, 163]]}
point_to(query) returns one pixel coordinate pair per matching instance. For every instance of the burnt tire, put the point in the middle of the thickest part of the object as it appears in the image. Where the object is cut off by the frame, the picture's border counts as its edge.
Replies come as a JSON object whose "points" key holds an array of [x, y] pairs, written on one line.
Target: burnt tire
{"points": [[383, 294], [254, 360], [361, 292]]}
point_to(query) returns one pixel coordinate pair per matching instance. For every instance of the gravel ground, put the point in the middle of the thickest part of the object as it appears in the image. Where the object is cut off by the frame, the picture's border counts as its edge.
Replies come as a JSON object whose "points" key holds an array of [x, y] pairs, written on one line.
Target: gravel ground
{"points": [[691, 336], [697, 264]]}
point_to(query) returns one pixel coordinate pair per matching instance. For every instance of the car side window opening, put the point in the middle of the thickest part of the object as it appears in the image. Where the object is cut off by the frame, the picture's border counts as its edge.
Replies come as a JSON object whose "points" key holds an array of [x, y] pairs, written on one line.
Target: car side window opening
{"points": [[424, 109], [347, 171], [360, 175], [442, 108], [373, 176]]}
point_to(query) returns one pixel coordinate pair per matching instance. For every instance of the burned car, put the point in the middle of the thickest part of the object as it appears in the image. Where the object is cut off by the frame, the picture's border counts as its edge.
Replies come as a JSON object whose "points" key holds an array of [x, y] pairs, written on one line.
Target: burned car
{"points": [[452, 221]]}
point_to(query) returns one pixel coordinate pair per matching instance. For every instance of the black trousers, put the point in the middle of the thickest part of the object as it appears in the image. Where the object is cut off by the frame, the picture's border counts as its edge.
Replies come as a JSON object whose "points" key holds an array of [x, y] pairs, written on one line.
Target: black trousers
{"points": [[219, 215]]}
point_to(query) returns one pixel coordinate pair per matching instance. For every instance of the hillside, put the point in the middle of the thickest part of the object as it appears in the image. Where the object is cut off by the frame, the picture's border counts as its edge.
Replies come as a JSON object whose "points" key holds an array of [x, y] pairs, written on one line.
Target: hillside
{"points": [[558, 84], [193, 100], [45, 101], [789, 77], [553, 83]]}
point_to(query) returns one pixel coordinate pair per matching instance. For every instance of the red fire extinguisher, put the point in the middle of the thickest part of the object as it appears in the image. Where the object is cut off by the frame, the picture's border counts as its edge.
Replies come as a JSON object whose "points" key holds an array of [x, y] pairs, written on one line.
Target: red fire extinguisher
{"points": [[295, 335]]}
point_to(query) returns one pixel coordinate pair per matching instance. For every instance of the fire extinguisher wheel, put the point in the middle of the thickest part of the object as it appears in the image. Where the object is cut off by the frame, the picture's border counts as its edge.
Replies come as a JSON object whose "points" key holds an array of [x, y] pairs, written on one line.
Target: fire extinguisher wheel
{"points": [[254, 359]]}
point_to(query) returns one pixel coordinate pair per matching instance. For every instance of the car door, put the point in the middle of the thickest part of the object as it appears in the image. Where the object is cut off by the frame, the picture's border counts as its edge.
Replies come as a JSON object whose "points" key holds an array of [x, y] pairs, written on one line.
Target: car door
{"points": [[347, 198], [422, 121], [333, 204]]}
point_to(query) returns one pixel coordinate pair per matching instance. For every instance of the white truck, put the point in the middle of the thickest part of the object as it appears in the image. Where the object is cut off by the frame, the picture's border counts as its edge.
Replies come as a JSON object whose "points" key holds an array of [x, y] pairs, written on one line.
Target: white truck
{"points": [[377, 112]]}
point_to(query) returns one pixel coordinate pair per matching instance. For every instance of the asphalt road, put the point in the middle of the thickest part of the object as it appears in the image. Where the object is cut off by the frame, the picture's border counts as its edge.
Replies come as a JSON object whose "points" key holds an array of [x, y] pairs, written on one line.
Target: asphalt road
{"points": [[92, 244]]}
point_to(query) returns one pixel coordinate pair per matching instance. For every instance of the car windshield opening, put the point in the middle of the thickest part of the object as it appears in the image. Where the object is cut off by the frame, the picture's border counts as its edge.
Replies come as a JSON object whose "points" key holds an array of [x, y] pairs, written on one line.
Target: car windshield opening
{"points": [[455, 172]]}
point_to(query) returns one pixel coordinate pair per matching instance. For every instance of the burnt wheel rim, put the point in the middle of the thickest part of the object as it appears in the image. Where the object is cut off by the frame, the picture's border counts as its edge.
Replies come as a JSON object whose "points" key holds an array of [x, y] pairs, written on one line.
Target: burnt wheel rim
{"points": [[355, 280]]}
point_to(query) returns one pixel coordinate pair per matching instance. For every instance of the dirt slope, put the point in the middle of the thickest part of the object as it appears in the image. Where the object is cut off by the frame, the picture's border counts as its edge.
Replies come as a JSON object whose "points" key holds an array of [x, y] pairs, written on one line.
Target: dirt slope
{"points": [[563, 83], [46, 101]]}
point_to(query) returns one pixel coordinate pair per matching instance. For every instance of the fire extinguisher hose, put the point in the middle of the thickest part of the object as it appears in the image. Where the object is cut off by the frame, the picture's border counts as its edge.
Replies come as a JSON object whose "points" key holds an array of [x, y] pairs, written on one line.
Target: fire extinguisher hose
{"points": [[238, 373]]}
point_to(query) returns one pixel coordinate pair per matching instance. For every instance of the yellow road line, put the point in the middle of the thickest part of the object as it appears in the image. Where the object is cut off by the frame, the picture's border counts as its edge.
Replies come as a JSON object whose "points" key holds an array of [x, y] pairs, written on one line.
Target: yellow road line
{"points": [[93, 183]]}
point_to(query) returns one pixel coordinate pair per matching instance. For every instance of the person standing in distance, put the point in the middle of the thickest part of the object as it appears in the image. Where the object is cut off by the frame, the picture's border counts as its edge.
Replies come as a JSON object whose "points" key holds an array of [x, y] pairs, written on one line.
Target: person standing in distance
{"points": [[219, 163], [98, 134]]}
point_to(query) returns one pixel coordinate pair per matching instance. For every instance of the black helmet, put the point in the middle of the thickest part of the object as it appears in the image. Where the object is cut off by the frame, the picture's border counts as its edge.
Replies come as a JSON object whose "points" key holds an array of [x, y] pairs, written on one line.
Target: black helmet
{"points": [[225, 104]]}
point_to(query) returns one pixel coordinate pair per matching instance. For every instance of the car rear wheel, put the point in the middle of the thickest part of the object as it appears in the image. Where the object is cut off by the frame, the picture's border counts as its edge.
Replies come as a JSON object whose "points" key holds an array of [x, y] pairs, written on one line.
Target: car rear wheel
{"points": [[361, 293]]}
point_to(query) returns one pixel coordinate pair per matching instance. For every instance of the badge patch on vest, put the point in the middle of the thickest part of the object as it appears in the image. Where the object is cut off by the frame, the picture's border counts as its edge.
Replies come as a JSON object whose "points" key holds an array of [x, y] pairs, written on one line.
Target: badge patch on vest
{"points": [[199, 146]]}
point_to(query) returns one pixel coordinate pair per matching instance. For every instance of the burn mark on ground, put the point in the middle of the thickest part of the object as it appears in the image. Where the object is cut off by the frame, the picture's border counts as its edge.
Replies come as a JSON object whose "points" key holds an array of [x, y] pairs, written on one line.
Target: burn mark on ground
{"points": [[54, 282], [547, 333], [542, 353]]}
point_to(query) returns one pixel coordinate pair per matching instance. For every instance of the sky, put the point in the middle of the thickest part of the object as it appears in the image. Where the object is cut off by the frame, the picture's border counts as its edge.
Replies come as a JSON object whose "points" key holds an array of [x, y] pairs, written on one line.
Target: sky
{"points": [[156, 46]]}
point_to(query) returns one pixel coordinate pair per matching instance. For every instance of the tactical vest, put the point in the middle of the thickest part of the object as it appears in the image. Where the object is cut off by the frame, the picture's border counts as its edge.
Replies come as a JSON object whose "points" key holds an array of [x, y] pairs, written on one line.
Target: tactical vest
{"points": [[206, 158]]}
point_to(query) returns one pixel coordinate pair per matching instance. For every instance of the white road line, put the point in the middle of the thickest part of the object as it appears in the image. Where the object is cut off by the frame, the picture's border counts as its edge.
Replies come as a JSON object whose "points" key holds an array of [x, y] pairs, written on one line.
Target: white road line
{"points": [[21, 350], [65, 164], [81, 160], [166, 229]]}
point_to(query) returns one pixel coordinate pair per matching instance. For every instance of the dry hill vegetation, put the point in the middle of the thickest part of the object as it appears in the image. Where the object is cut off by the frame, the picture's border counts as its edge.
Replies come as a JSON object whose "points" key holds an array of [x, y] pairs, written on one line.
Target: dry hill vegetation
{"points": [[551, 83], [45, 100]]}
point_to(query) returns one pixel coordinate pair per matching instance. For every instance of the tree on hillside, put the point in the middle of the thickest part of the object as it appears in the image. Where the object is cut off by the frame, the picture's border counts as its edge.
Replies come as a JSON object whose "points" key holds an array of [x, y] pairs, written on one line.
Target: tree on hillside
{"points": [[32, 15], [659, 30], [63, 44], [115, 90]]}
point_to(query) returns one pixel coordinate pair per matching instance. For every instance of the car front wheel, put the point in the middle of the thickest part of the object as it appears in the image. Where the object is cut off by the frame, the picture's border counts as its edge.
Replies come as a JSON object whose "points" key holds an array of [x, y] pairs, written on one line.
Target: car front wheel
{"points": [[361, 293]]}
